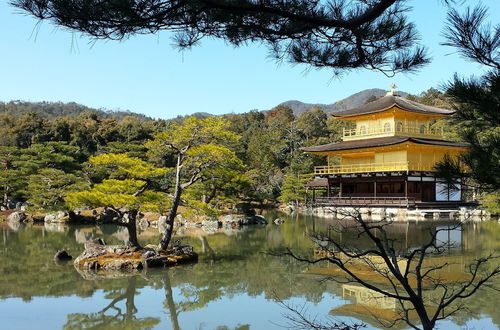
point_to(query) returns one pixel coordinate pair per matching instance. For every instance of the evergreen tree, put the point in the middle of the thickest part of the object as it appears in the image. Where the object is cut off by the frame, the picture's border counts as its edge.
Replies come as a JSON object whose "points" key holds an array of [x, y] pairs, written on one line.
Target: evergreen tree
{"points": [[199, 149], [342, 35], [11, 178], [436, 98], [293, 190], [48, 188], [476, 100], [312, 123], [126, 190]]}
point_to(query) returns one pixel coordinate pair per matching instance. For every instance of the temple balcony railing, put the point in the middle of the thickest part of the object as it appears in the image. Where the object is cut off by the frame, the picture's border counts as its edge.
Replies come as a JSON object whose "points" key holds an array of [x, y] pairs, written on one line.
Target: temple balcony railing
{"points": [[372, 167], [401, 130], [363, 201]]}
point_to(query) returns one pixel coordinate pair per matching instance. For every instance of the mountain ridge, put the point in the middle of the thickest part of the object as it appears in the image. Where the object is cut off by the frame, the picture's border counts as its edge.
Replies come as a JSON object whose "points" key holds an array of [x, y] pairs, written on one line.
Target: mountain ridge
{"points": [[352, 101], [51, 110]]}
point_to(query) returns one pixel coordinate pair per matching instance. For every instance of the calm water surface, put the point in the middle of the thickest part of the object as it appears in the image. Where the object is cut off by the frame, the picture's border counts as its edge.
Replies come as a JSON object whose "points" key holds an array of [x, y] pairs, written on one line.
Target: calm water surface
{"points": [[233, 286]]}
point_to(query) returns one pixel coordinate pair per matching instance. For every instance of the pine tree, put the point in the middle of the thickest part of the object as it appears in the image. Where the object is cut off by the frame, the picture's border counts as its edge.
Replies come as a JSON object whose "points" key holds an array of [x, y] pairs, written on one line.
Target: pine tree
{"points": [[199, 149], [476, 100], [342, 35], [126, 189]]}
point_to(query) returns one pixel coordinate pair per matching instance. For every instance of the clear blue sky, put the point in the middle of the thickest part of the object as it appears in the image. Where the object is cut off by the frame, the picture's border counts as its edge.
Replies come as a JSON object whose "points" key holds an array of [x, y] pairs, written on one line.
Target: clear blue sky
{"points": [[146, 74]]}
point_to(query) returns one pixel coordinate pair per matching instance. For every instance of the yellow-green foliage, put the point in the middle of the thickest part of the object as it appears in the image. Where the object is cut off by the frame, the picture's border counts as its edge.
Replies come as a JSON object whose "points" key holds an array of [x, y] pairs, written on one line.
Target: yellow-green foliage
{"points": [[293, 190], [155, 201], [492, 202], [209, 169], [196, 207], [193, 132], [207, 154], [123, 165], [129, 191]]}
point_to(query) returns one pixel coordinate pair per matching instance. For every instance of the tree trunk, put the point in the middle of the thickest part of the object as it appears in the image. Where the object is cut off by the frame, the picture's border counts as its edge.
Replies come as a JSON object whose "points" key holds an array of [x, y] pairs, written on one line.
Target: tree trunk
{"points": [[131, 224], [213, 193], [132, 228], [419, 306], [6, 199], [167, 236]]}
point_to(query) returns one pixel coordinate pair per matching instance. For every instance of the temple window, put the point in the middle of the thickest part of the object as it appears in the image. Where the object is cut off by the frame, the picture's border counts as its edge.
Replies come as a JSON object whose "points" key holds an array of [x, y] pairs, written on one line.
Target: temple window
{"points": [[362, 129], [387, 127], [422, 129], [399, 127]]}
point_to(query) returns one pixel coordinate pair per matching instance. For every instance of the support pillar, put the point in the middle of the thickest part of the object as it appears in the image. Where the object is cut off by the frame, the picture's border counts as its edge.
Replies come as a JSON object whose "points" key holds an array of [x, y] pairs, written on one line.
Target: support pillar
{"points": [[461, 190], [421, 188]]}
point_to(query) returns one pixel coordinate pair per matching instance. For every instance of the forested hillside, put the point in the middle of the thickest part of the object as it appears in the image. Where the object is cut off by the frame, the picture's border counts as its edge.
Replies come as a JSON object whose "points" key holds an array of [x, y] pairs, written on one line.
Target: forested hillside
{"points": [[46, 157], [52, 110]]}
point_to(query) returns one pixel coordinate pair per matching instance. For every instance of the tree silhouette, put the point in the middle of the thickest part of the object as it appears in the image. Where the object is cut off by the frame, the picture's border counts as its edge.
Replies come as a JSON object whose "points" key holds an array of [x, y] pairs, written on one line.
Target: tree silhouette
{"points": [[415, 277], [476, 101], [342, 35]]}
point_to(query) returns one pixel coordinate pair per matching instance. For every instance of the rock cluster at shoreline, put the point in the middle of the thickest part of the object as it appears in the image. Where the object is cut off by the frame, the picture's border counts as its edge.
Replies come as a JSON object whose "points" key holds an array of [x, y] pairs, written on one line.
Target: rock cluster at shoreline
{"points": [[55, 221]]}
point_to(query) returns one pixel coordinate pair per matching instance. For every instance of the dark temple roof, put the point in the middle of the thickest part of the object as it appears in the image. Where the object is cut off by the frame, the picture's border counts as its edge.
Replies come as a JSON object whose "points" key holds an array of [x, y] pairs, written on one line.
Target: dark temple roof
{"points": [[387, 102], [381, 142], [317, 183]]}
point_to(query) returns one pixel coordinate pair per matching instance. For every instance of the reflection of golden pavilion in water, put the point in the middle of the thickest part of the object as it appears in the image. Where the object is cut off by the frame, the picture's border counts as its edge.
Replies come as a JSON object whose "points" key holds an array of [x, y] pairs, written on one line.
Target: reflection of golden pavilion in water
{"points": [[367, 297], [388, 158], [371, 307]]}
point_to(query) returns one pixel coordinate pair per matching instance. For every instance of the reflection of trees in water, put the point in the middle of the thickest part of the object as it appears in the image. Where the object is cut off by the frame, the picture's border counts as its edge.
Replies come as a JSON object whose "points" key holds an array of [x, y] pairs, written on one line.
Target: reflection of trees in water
{"points": [[372, 308], [169, 302], [445, 277], [238, 265], [470, 239], [406, 235], [231, 265], [112, 316], [120, 312], [205, 247], [27, 268], [377, 310]]}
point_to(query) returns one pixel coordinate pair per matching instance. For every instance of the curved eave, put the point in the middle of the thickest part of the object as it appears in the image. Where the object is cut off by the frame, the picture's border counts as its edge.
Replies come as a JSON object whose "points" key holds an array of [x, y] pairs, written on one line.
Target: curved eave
{"points": [[340, 115], [317, 183], [390, 102], [360, 145], [391, 108]]}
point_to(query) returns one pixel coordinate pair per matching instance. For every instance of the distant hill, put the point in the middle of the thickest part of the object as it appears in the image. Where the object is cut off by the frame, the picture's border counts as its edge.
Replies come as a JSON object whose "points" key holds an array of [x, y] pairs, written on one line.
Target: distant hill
{"points": [[353, 101], [199, 115], [52, 110]]}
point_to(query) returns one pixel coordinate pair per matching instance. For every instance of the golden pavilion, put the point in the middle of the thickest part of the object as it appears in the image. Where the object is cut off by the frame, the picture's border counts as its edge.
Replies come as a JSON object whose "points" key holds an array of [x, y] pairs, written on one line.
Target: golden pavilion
{"points": [[388, 158]]}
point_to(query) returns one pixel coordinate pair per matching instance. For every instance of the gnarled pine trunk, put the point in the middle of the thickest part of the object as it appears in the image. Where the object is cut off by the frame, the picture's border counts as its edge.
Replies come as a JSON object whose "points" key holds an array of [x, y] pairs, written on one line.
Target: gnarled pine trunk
{"points": [[132, 230], [167, 236], [131, 226]]}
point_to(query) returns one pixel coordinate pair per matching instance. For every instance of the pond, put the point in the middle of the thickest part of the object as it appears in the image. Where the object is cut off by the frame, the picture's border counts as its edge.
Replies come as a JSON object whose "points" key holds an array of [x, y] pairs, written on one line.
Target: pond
{"points": [[235, 284]]}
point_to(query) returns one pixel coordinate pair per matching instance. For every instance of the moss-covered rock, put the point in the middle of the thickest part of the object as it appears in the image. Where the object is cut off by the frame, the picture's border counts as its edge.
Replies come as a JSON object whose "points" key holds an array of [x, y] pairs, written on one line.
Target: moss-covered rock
{"points": [[98, 256], [36, 217]]}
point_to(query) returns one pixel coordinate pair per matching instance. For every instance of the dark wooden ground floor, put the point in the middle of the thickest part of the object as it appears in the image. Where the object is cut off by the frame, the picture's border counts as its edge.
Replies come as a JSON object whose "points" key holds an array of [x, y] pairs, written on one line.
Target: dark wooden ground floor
{"points": [[396, 189]]}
